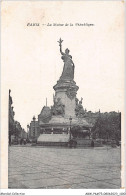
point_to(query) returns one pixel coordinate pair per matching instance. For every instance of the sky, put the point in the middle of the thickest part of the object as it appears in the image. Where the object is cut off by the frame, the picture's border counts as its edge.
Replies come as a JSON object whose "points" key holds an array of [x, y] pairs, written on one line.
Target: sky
{"points": [[31, 60]]}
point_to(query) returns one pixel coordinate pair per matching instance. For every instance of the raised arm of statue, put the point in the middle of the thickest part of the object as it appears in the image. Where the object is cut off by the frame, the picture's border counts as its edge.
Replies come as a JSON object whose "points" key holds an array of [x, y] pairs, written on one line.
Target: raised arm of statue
{"points": [[60, 44], [61, 50]]}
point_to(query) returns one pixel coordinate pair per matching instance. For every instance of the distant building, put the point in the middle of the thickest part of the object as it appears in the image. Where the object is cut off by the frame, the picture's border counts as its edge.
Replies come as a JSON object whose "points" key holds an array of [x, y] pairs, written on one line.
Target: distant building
{"points": [[23, 134], [18, 129], [11, 118], [16, 132], [34, 129]]}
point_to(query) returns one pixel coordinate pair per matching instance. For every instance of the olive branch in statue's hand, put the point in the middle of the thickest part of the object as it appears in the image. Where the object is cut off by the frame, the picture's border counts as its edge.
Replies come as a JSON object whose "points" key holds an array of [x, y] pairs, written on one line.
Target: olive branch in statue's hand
{"points": [[60, 41]]}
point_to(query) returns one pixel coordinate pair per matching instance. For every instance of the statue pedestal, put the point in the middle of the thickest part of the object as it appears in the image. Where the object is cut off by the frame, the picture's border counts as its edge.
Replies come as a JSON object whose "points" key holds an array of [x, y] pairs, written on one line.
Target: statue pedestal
{"points": [[66, 90], [61, 124]]}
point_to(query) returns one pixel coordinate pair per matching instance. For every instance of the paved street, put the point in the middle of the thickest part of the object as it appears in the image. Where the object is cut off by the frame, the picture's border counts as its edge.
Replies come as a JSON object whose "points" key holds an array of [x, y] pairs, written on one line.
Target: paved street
{"points": [[55, 168]]}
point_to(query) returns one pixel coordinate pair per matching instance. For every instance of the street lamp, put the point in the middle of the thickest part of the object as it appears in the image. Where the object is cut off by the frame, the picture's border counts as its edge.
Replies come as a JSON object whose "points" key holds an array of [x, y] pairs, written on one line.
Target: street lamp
{"points": [[70, 119], [89, 133], [34, 126]]}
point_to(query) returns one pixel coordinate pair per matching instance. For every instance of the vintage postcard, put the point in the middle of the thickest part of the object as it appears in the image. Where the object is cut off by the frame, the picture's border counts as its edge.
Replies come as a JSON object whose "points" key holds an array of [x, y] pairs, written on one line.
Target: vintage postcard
{"points": [[62, 95]]}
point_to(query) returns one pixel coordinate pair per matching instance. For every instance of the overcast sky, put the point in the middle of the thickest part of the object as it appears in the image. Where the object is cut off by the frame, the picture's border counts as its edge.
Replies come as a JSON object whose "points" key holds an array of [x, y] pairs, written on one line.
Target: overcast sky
{"points": [[31, 60]]}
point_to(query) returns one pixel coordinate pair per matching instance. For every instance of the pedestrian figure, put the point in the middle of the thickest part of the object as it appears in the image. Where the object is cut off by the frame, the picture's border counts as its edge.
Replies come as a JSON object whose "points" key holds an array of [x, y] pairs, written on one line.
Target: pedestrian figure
{"points": [[92, 143], [24, 142], [21, 142]]}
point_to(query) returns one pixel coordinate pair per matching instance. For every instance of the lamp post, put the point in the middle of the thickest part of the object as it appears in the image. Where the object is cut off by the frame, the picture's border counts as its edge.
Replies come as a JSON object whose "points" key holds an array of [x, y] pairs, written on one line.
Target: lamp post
{"points": [[34, 126], [89, 133], [107, 135], [70, 119]]}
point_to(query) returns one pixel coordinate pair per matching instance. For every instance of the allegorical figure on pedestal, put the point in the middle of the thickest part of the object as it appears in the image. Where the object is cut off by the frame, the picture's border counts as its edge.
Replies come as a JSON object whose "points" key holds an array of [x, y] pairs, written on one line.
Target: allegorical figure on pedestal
{"points": [[79, 110], [58, 107], [68, 69]]}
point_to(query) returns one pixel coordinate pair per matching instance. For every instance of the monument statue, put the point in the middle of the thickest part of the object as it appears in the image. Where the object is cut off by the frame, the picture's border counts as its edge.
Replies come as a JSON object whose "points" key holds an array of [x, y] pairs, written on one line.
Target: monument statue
{"points": [[65, 102], [66, 88], [58, 107], [68, 69], [45, 114], [79, 110]]}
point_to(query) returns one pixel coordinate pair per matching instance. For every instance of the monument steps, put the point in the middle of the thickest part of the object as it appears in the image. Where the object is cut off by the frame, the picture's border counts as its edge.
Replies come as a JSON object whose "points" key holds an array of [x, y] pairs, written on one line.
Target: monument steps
{"points": [[63, 140], [87, 143]]}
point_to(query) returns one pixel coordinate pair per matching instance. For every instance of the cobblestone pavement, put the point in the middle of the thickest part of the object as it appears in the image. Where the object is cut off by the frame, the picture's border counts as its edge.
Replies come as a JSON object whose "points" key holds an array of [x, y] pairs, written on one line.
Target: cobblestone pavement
{"points": [[55, 168]]}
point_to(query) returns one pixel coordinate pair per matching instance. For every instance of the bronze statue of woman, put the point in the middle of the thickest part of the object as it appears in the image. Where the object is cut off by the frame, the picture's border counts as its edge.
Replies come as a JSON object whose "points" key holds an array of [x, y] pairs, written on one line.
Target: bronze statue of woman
{"points": [[68, 69]]}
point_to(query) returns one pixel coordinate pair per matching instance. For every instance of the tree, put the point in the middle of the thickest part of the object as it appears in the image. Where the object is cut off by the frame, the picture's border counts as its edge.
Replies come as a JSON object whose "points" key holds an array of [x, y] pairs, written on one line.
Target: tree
{"points": [[79, 131], [108, 126]]}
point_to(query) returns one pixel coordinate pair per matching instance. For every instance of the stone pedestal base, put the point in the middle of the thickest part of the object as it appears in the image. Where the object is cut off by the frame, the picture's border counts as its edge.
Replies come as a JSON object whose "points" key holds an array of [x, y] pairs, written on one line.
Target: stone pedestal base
{"points": [[63, 122], [66, 90]]}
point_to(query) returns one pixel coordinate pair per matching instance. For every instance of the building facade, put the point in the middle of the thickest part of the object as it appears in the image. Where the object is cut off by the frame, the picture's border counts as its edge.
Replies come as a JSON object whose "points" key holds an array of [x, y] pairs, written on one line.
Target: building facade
{"points": [[11, 118], [34, 129], [16, 132]]}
